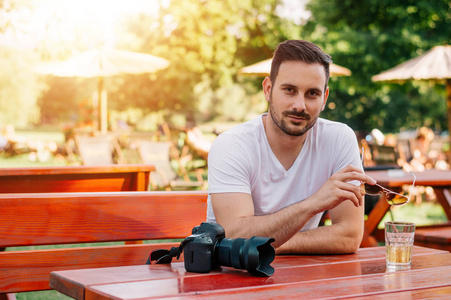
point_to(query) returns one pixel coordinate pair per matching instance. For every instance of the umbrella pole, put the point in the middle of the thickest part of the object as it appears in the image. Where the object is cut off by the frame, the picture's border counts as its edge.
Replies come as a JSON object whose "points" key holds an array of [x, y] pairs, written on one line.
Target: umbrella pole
{"points": [[448, 102], [101, 108]]}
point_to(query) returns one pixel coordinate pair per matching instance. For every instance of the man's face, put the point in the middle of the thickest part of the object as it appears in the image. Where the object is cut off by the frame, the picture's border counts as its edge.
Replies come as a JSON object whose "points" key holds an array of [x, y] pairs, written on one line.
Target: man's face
{"points": [[297, 97]]}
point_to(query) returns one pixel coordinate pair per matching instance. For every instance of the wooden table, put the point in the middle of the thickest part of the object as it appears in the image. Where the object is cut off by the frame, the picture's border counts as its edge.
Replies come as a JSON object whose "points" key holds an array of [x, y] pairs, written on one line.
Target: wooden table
{"points": [[75, 179], [439, 180], [360, 275]]}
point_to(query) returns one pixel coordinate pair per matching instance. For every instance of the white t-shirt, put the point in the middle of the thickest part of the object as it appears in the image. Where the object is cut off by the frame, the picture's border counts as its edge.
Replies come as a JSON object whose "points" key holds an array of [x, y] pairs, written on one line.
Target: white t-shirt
{"points": [[241, 161]]}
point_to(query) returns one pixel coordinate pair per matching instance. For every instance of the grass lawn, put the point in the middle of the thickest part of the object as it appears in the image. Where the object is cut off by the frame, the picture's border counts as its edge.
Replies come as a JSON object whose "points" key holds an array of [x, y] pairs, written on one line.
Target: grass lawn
{"points": [[23, 161], [426, 213], [34, 137], [42, 295]]}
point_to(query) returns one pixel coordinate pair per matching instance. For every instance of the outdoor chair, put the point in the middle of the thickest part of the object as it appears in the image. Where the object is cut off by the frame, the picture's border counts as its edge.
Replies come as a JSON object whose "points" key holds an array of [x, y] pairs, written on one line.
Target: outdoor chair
{"points": [[163, 155], [99, 150], [383, 157]]}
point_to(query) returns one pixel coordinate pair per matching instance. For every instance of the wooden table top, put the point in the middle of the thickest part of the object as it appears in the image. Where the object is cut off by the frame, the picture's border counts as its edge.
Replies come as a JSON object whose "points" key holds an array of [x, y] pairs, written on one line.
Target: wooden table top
{"points": [[397, 178], [362, 274]]}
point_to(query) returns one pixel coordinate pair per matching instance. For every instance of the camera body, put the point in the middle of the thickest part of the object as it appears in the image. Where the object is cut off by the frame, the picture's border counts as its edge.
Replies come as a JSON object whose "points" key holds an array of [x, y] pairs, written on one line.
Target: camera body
{"points": [[200, 250], [207, 248]]}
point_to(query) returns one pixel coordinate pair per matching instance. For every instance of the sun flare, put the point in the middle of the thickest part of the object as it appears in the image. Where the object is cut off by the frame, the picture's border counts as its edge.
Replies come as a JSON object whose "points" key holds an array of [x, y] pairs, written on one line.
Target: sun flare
{"points": [[80, 22]]}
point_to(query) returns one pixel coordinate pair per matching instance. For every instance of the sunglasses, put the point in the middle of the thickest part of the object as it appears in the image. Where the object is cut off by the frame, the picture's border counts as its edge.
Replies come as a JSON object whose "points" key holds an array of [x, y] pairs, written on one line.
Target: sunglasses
{"points": [[392, 197]]}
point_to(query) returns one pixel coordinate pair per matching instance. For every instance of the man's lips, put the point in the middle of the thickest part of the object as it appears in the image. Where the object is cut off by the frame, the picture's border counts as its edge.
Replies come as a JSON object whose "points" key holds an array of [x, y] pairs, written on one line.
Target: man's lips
{"points": [[298, 118]]}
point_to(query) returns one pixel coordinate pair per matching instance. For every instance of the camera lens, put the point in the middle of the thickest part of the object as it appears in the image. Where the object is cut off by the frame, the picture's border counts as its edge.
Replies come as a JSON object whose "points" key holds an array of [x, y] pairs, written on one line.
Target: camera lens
{"points": [[254, 255]]}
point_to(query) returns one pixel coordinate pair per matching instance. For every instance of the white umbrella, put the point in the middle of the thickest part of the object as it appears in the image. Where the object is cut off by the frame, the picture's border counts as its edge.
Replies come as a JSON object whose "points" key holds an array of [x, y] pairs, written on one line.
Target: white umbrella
{"points": [[263, 68], [434, 64], [101, 63]]}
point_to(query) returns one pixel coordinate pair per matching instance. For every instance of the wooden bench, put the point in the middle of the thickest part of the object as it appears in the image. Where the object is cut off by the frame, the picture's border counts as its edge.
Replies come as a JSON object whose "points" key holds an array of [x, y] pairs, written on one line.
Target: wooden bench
{"points": [[75, 179], [434, 236], [68, 218]]}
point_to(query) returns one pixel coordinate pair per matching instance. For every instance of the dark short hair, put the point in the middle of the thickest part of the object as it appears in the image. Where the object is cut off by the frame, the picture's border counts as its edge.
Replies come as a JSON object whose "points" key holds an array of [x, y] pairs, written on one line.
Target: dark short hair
{"points": [[299, 50]]}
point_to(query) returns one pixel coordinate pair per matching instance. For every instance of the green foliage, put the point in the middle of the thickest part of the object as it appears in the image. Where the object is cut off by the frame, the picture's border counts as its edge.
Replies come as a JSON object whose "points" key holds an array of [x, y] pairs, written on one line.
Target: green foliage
{"points": [[369, 37], [425, 213], [206, 43], [19, 89]]}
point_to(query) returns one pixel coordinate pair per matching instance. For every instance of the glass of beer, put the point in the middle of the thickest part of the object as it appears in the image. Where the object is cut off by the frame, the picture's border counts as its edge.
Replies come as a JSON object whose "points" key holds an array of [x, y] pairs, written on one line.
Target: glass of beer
{"points": [[399, 238]]}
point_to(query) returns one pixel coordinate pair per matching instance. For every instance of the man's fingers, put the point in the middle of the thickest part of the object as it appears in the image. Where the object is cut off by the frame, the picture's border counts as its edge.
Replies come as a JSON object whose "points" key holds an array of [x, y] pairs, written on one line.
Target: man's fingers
{"points": [[350, 173], [352, 192]]}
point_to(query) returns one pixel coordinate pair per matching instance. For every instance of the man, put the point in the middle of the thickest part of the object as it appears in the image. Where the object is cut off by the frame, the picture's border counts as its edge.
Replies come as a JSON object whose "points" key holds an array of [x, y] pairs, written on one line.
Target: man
{"points": [[274, 176]]}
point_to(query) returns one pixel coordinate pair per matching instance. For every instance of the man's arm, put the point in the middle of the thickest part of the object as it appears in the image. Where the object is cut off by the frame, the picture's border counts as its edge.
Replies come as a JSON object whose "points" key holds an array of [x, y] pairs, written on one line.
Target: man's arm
{"points": [[343, 236], [235, 212]]}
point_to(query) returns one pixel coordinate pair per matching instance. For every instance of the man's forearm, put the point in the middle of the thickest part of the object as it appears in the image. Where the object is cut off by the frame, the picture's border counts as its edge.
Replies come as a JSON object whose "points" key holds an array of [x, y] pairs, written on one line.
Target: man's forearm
{"points": [[281, 225], [333, 239]]}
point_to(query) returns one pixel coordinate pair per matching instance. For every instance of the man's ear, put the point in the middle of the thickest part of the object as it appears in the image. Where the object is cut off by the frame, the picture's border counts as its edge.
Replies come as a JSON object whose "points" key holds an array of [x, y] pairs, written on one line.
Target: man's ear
{"points": [[326, 95], [267, 85]]}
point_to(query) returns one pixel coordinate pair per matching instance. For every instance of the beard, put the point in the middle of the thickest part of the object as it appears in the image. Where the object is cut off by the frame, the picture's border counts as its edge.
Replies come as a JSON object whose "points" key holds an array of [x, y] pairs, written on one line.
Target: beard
{"points": [[287, 125]]}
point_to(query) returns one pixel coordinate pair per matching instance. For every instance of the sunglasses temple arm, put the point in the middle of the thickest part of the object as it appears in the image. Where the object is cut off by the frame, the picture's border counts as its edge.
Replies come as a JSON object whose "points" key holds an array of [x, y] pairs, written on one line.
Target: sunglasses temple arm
{"points": [[361, 158], [412, 186], [389, 191]]}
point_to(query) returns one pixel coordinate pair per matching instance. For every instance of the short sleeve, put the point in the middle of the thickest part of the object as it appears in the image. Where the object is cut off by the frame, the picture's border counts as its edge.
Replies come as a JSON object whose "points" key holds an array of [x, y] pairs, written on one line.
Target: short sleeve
{"points": [[229, 165]]}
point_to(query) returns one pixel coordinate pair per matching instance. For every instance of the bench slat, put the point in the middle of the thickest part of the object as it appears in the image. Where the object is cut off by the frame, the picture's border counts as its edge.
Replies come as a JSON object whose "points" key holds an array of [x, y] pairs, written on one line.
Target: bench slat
{"points": [[62, 218], [75, 179], [62, 184], [436, 236]]}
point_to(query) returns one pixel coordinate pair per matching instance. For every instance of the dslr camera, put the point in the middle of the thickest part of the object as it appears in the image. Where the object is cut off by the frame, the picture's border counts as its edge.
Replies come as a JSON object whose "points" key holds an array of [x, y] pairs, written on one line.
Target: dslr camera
{"points": [[207, 248]]}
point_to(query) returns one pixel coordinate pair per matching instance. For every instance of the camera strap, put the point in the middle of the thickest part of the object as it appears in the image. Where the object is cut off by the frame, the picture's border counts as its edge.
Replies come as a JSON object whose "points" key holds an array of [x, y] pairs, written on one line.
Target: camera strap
{"points": [[163, 256]]}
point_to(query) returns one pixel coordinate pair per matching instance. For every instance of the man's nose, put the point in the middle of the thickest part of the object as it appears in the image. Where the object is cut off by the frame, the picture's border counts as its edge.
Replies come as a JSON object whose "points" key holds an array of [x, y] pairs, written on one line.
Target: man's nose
{"points": [[299, 103]]}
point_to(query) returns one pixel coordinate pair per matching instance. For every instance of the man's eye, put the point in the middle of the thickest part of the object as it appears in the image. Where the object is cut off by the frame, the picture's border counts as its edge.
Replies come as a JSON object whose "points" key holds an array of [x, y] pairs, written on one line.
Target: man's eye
{"points": [[289, 90], [314, 94]]}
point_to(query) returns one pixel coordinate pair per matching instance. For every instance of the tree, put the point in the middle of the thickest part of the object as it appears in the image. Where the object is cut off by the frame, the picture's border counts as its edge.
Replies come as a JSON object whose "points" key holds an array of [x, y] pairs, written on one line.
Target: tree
{"points": [[19, 86], [369, 37], [206, 43]]}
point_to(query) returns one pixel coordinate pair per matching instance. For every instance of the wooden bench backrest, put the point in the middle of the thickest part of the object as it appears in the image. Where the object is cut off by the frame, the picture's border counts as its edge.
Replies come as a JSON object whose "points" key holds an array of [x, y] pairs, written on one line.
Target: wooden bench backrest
{"points": [[61, 218], [75, 179]]}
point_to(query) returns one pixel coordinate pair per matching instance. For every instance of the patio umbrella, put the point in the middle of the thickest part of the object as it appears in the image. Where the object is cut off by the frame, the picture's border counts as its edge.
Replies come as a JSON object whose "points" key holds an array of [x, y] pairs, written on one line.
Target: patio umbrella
{"points": [[433, 65], [102, 63], [262, 69]]}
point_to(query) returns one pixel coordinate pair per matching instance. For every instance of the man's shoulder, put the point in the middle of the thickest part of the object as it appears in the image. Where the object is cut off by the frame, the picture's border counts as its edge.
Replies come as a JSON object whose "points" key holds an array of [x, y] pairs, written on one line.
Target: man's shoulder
{"points": [[326, 122], [332, 127], [244, 130]]}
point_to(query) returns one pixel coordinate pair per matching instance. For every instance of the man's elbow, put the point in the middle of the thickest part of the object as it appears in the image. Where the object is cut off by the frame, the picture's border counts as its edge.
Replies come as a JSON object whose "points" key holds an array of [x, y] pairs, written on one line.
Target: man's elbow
{"points": [[351, 243], [352, 247]]}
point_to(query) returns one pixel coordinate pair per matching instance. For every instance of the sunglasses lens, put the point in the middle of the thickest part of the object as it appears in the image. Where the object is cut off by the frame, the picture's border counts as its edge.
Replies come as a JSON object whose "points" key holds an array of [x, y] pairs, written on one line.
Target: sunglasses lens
{"points": [[372, 189], [392, 198], [395, 199]]}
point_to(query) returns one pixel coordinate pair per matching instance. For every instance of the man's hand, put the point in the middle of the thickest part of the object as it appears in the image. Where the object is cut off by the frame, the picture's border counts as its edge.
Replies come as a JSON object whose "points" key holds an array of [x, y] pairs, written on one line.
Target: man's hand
{"points": [[339, 188]]}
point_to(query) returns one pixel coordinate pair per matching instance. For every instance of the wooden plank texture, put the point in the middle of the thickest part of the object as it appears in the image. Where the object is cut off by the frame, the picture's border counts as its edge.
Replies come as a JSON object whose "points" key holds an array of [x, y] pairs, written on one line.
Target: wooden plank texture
{"points": [[75, 179], [15, 277], [426, 178], [351, 278], [423, 294], [65, 218], [286, 266], [61, 218]]}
